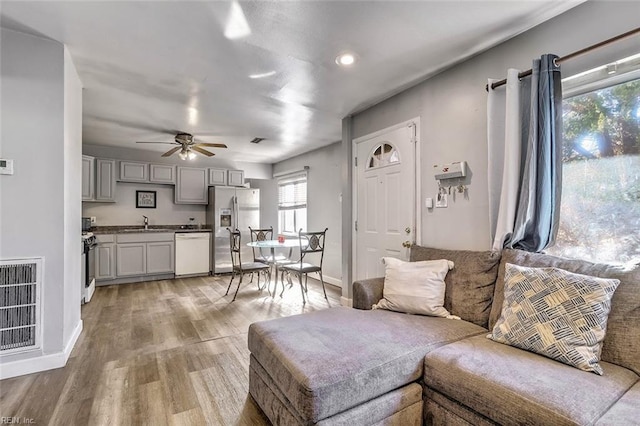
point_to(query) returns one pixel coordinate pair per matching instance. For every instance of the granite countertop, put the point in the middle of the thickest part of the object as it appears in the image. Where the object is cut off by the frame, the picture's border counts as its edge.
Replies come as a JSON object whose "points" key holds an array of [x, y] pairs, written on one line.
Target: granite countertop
{"points": [[131, 229]]}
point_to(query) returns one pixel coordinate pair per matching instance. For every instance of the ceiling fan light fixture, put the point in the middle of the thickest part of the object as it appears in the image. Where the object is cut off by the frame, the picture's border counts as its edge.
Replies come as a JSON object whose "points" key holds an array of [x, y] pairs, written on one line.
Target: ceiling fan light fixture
{"points": [[191, 155], [183, 154]]}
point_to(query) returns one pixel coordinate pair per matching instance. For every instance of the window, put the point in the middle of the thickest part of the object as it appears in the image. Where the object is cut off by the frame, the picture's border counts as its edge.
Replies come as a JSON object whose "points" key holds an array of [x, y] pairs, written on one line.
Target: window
{"points": [[383, 155], [600, 207], [292, 204]]}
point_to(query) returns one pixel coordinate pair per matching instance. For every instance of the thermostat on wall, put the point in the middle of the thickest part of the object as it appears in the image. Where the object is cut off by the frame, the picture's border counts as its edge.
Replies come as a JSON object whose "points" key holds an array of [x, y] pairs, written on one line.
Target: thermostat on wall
{"points": [[6, 167]]}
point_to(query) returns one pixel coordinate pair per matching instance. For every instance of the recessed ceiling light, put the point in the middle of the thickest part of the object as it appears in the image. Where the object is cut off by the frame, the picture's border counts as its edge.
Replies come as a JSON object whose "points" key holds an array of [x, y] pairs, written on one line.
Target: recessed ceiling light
{"points": [[345, 59], [262, 75]]}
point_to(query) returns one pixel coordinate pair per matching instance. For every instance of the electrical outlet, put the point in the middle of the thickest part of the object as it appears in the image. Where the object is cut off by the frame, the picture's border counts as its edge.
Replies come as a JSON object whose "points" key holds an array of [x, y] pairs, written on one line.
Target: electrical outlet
{"points": [[93, 220]]}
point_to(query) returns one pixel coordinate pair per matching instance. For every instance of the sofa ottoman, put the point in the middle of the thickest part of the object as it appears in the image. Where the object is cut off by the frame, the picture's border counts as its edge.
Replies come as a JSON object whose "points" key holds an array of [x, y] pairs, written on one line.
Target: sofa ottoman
{"points": [[321, 367]]}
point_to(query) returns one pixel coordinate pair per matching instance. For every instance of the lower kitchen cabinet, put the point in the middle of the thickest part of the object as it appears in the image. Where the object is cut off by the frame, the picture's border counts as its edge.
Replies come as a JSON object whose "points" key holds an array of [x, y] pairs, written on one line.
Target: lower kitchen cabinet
{"points": [[131, 259], [105, 261], [160, 257]]}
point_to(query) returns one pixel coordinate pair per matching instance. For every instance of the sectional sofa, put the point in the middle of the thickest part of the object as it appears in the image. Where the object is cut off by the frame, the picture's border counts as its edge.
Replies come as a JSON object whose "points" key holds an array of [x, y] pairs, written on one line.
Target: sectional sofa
{"points": [[360, 366]]}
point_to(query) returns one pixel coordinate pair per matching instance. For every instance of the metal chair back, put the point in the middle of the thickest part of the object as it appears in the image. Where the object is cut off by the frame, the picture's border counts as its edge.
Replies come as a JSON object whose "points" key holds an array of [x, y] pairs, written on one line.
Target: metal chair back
{"points": [[235, 244], [264, 234], [312, 242]]}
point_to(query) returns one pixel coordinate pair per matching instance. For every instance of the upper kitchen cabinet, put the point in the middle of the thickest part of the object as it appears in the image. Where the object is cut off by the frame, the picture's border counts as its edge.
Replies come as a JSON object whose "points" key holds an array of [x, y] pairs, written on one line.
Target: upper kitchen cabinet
{"points": [[98, 179], [131, 171], [105, 180], [235, 178], [191, 186], [161, 173], [217, 177], [88, 178]]}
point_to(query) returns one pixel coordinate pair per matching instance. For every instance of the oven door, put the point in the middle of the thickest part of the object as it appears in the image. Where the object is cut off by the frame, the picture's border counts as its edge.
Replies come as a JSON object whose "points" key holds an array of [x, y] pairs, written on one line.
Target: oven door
{"points": [[91, 266]]}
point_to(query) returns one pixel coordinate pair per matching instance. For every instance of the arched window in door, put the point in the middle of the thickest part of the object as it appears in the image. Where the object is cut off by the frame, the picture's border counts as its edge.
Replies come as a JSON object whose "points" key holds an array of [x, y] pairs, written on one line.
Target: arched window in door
{"points": [[383, 155]]}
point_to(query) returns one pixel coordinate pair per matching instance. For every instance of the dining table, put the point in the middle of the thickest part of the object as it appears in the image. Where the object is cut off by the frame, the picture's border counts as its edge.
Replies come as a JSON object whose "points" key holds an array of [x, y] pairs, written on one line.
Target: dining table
{"points": [[272, 245]]}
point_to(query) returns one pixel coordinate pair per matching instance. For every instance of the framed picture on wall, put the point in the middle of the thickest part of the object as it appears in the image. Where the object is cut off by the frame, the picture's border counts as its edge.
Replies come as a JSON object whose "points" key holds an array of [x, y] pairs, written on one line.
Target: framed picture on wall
{"points": [[146, 199]]}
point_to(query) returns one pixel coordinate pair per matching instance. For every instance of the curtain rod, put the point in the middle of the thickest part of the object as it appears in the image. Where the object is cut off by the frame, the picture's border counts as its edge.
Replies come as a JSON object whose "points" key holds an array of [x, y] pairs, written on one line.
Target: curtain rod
{"points": [[571, 56]]}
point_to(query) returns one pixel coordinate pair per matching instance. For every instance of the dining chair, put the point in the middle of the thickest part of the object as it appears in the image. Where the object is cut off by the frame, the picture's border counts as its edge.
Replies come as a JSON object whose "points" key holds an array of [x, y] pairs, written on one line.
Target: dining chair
{"points": [[264, 234], [311, 243], [239, 268]]}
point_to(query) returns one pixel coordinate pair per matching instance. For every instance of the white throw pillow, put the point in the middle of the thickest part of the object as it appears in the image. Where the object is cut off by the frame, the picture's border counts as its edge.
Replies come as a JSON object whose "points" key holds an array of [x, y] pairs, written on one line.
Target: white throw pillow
{"points": [[415, 287]]}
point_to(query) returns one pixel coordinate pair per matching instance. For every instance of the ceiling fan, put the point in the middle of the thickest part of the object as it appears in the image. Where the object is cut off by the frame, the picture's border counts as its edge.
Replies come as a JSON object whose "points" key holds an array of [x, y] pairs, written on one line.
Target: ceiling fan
{"points": [[188, 146]]}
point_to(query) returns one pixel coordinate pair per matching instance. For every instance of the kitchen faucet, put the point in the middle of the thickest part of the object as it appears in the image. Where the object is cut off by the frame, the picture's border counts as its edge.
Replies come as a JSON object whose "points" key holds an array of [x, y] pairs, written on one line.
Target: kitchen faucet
{"points": [[146, 223]]}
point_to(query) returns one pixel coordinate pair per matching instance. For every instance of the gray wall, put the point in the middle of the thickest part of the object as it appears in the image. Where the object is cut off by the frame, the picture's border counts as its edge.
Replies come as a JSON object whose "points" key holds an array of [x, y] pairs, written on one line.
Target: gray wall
{"points": [[124, 211], [72, 193], [323, 200], [452, 108], [268, 202], [251, 170], [40, 202]]}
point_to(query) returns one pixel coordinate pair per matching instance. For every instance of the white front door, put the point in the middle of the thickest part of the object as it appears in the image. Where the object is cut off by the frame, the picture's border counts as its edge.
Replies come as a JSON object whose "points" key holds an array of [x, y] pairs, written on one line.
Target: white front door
{"points": [[385, 203]]}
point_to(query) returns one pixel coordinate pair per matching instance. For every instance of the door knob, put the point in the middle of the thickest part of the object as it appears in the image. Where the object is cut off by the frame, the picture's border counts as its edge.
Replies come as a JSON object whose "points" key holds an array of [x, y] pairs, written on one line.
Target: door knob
{"points": [[406, 244]]}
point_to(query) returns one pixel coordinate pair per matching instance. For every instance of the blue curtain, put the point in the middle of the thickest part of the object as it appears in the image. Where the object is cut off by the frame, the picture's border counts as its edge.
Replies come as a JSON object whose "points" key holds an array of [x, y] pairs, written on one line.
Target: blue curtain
{"points": [[538, 208]]}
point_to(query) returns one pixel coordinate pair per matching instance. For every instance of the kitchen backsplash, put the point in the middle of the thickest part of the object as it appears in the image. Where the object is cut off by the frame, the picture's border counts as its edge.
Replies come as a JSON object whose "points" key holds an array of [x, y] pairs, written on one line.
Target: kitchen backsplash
{"points": [[124, 211]]}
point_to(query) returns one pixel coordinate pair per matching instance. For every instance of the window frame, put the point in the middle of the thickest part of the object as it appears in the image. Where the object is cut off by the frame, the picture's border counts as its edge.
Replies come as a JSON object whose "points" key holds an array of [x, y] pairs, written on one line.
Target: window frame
{"points": [[298, 203], [589, 82]]}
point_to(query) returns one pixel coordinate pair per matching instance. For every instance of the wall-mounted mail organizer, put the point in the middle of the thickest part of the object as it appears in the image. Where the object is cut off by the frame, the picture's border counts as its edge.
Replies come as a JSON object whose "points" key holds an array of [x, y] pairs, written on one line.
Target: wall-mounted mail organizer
{"points": [[449, 176]]}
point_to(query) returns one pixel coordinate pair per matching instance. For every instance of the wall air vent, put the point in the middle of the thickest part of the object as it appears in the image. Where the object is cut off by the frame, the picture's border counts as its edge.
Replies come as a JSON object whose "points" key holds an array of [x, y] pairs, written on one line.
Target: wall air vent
{"points": [[20, 287], [256, 140]]}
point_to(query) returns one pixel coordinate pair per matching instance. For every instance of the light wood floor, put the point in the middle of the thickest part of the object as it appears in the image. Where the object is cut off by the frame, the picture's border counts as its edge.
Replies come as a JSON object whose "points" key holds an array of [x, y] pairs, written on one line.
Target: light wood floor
{"points": [[162, 352]]}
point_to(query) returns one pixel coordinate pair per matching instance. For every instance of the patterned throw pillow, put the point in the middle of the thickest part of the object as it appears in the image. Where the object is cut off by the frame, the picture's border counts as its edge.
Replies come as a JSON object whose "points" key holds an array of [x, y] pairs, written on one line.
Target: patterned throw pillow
{"points": [[555, 313]]}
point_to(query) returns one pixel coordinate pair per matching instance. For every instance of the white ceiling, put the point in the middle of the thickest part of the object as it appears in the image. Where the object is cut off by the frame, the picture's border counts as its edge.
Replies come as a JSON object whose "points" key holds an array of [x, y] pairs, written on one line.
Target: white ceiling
{"points": [[149, 67]]}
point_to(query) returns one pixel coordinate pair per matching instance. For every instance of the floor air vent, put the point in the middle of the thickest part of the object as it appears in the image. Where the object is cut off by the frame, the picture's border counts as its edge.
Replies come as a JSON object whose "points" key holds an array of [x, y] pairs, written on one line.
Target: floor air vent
{"points": [[20, 285]]}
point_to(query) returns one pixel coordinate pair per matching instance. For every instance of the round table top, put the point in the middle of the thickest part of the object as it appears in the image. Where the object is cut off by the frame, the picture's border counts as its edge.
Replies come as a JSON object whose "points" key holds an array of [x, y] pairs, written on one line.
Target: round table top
{"points": [[291, 242]]}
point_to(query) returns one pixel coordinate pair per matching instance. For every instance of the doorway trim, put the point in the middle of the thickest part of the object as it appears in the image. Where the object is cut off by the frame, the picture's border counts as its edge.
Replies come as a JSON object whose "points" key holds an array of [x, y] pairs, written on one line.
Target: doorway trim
{"points": [[417, 192]]}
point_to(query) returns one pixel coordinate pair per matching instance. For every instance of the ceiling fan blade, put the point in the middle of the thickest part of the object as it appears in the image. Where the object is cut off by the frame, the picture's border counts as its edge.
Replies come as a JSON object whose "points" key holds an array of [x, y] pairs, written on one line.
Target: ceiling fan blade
{"points": [[214, 145], [171, 151], [170, 143], [202, 151]]}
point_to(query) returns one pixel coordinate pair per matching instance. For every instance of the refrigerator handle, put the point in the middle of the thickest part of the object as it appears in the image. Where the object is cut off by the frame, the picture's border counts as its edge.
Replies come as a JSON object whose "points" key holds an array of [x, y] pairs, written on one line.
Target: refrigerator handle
{"points": [[234, 213]]}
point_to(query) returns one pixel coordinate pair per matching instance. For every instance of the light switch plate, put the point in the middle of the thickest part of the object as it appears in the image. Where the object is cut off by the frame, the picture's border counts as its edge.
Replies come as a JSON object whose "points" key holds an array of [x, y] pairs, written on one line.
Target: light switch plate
{"points": [[6, 166], [428, 203]]}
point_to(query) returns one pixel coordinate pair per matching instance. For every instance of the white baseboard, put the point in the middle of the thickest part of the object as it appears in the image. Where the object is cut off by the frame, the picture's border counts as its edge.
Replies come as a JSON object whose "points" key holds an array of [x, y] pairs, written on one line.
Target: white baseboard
{"points": [[43, 362], [328, 280], [346, 302]]}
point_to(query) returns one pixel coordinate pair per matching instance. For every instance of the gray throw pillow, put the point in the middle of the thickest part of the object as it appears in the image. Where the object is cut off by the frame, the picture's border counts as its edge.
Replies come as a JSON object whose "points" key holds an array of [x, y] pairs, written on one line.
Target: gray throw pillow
{"points": [[555, 313]]}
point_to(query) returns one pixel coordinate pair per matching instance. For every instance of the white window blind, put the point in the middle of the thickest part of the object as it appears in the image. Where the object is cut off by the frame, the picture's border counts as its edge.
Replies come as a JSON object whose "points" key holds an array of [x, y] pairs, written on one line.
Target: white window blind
{"points": [[292, 192]]}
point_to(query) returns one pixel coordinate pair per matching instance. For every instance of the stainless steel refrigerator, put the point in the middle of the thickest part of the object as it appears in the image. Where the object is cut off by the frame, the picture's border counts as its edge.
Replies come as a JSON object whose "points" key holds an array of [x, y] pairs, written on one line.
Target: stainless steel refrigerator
{"points": [[231, 207]]}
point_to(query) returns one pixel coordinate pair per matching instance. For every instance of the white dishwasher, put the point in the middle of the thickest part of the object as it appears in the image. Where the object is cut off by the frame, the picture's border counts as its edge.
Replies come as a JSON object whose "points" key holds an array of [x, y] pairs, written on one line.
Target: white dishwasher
{"points": [[192, 253]]}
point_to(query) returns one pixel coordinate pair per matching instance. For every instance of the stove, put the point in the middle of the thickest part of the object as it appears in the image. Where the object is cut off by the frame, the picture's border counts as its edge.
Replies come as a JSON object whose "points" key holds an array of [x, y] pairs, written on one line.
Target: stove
{"points": [[88, 286]]}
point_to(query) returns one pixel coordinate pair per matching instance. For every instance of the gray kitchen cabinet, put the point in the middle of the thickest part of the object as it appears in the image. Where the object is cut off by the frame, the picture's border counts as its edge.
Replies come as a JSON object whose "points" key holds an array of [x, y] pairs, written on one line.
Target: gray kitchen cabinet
{"points": [[160, 257], [132, 171], [217, 177], [88, 178], [131, 259], [191, 186], [105, 180], [105, 261], [162, 173], [236, 177]]}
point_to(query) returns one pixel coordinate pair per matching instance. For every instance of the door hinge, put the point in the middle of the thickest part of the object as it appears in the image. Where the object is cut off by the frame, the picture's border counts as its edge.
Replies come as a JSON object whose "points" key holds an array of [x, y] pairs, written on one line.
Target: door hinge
{"points": [[356, 225], [356, 159]]}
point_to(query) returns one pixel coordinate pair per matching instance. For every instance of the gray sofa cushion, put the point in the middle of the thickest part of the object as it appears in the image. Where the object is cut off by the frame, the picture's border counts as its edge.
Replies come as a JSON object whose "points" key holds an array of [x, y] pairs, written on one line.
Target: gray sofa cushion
{"points": [[624, 412], [623, 326], [329, 361], [512, 386], [470, 283]]}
